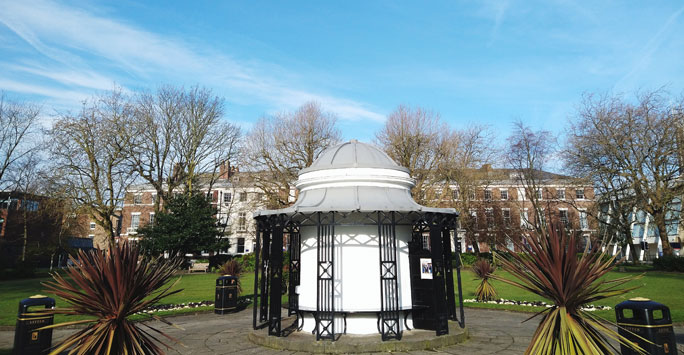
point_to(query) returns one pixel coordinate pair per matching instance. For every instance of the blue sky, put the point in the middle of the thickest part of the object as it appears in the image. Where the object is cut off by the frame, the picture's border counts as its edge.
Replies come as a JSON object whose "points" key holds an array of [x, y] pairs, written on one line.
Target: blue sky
{"points": [[488, 62]]}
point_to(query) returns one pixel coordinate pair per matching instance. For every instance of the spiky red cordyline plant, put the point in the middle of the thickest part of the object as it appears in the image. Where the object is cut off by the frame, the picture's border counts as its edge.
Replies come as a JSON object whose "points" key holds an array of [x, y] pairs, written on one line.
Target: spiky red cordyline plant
{"points": [[550, 268], [484, 270], [232, 268], [111, 286]]}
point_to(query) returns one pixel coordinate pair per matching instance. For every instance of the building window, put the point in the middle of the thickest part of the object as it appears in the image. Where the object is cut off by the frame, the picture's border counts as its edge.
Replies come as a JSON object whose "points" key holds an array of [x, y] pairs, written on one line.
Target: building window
{"points": [[91, 236], [137, 199], [563, 216], [154, 198], [259, 196], [473, 217], [135, 221], [584, 224], [542, 216], [455, 194], [506, 213], [489, 215], [241, 245], [92, 226], [242, 221], [560, 194], [151, 217], [579, 194], [471, 195], [488, 194], [504, 194], [524, 221], [539, 194], [243, 196], [227, 196]]}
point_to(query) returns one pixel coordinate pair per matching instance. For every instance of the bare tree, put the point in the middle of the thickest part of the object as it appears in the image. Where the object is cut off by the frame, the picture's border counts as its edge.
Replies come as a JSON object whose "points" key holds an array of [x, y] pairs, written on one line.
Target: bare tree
{"points": [[529, 153], [18, 128], [465, 151], [416, 139], [279, 146], [629, 150], [89, 154], [178, 135]]}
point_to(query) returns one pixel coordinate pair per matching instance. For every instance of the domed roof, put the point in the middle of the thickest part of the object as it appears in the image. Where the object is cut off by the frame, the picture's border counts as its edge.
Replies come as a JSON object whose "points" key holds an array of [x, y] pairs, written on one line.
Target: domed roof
{"points": [[353, 154], [354, 176]]}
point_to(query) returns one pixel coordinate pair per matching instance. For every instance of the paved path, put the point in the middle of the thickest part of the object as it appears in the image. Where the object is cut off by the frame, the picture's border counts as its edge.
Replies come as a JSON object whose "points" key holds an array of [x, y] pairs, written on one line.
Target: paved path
{"points": [[491, 331]]}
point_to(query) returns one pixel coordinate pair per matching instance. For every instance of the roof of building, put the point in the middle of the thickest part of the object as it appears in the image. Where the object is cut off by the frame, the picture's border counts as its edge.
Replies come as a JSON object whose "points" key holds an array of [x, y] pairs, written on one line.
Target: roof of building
{"points": [[354, 176], [353, 154]]}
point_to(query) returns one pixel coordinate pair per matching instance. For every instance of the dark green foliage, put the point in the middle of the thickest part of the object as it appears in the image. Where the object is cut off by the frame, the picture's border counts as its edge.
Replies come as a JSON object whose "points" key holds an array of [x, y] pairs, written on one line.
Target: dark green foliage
{"points": [[467, 259], [188, 227], [248, 261], [669, 263]]}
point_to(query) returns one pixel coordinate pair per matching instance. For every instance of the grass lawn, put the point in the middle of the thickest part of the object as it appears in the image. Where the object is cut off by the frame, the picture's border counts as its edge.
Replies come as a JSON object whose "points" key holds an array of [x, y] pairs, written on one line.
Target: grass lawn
{"points": [[659, 286], [196, 287], [663, 287]]}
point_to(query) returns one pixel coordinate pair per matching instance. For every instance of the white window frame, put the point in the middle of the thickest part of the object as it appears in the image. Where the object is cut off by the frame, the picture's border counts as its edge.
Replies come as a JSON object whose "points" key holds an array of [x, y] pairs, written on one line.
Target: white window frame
{"points": [[559, 195], [135, 214], [152, 215], [503, 192], [584, 196], [566, 224], [583, 219], [93, 225], [242, 221], [506, 220]]}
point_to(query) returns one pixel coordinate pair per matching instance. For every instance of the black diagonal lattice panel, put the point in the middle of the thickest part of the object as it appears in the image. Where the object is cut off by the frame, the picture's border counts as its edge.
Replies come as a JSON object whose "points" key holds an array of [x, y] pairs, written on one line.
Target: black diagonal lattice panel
{"points": [[295, 268], [325, 277], [389, 288]]}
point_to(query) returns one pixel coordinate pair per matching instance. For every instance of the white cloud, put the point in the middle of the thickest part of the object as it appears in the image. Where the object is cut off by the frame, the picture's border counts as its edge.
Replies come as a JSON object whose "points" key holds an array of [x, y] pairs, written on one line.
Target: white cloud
{"points": [[74, 41]]}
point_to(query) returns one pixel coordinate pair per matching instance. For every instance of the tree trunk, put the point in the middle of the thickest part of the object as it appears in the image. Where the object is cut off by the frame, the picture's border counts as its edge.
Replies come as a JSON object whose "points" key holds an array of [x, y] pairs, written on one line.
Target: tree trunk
{"points": [[23, 247], [662, 232]]}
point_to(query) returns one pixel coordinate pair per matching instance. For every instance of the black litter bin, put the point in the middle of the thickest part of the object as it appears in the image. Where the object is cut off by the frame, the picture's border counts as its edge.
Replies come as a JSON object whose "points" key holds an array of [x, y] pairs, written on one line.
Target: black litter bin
{"points": [[226, 294], [650, 320], [28, 340]]}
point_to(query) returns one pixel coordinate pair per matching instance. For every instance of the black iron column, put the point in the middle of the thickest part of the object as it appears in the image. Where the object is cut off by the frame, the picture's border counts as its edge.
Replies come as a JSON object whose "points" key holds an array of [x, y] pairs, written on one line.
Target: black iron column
{"points": [[325, 274], [295, 259], [265, 269], [257, 250], [276, 273], [449, 271], [439, 302], [389, 288]]}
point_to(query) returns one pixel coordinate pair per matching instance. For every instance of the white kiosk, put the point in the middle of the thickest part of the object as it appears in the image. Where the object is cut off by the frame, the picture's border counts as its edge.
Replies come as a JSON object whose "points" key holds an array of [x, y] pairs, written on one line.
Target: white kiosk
{"points": [[364, 257]]}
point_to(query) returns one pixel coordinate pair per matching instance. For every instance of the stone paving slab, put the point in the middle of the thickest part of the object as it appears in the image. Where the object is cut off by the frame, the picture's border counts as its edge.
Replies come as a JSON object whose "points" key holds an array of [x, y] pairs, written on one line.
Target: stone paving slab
{"points": [[491, 332]]}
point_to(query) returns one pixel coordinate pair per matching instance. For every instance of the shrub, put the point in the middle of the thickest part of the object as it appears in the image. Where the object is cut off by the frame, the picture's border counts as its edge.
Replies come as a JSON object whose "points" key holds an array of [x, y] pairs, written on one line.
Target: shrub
{"points": [[551, 269], [485, 291], [669, 263], [232, 268], [110, 286], [248, 261], [467, 259]]}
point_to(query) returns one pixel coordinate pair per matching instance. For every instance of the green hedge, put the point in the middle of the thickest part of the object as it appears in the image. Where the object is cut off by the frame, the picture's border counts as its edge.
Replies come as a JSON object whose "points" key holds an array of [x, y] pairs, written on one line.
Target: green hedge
{"points": [[669, 263]]}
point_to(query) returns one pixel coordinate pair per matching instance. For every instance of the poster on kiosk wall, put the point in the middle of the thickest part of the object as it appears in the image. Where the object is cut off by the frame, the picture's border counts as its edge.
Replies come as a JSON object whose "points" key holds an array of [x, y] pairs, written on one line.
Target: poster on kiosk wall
{"points": [[426, 268]]}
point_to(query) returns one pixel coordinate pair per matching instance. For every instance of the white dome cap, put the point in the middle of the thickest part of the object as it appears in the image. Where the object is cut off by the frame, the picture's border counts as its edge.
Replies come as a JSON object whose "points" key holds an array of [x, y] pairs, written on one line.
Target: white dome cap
{"points": [[353, 154]]}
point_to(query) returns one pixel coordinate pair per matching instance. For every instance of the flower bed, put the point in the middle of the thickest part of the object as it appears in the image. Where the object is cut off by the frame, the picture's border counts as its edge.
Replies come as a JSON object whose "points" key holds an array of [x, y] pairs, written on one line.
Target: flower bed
{"points": [[588, 308], [173, 307]]}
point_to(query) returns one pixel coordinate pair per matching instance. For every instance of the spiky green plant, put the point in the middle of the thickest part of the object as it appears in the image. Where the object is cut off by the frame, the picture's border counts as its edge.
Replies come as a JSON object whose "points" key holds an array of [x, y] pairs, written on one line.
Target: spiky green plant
{"points": [[483, 270], [550, 268], [110, 286], [232, 268]]}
